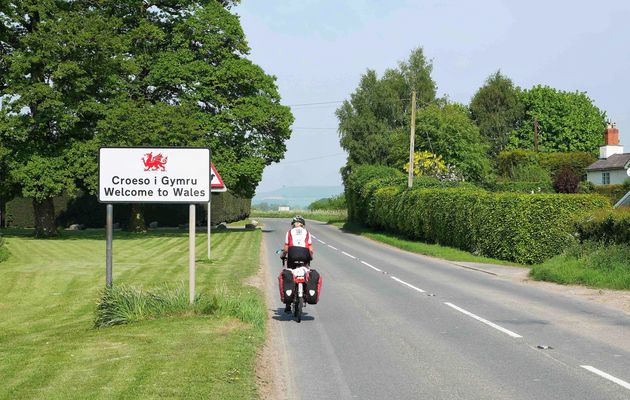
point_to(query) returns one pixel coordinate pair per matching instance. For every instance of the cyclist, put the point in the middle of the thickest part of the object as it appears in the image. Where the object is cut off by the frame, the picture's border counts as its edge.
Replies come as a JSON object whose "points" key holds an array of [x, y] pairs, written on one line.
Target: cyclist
{"points": [[298, 246]]}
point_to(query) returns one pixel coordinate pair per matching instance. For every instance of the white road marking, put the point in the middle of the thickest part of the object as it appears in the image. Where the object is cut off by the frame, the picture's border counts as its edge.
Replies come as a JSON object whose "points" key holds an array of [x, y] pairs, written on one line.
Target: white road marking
{"points": [[334, 248], [371, 266], [607, 376], [349, 255], [321, 241], [407, 284], [485, 321]]}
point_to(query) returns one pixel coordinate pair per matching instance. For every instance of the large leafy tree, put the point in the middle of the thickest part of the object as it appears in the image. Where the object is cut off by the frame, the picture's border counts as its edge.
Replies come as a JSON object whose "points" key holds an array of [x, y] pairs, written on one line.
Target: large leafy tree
{"points": [[497, 110], [378, 112], [78, 75], [187, 82], [54, 63], [567, 121], [446, 129]]}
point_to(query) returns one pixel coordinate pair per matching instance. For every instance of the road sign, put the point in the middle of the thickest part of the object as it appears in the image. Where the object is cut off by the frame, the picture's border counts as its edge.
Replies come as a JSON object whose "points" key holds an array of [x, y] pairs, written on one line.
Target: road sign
{"points": [[154, 175], [216, 183]]}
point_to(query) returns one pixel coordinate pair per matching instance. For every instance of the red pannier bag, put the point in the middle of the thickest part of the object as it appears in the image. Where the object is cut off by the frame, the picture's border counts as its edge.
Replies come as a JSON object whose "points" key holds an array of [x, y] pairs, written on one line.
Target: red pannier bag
{"points": [[285, 283], [313, 287]]}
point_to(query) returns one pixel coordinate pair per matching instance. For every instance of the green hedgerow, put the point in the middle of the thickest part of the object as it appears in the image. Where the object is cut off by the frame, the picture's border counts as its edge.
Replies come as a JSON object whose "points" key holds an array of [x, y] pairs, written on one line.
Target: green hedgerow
{"points": [[524, 228]]}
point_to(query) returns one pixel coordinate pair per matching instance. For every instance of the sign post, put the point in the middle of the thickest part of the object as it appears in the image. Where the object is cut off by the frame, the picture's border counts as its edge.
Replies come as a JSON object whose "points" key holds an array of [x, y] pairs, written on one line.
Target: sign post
{"points": [[154, 175], [191, 252], [216, 185], [109, 227]]}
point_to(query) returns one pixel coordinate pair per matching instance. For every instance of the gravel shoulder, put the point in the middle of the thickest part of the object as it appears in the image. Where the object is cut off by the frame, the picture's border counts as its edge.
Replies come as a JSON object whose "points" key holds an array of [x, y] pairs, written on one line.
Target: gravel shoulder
{"points": [[614, 299]]}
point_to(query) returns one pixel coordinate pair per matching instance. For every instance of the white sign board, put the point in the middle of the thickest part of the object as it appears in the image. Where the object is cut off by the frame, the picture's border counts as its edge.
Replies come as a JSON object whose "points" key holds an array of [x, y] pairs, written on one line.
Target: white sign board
{"points": [[154, 175]]}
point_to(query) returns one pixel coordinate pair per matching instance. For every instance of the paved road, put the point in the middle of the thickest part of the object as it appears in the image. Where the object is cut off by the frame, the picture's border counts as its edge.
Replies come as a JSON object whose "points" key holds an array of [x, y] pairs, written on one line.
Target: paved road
{"points": [[395, 325]]}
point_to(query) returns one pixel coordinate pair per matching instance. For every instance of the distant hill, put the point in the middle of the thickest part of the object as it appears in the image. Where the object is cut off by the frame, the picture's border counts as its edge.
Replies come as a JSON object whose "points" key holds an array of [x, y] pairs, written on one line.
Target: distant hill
{"points": [[296, 196]]}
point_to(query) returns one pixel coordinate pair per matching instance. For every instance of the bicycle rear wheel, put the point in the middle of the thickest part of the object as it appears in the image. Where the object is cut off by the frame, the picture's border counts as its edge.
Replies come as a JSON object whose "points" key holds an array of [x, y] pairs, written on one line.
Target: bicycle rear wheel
{"points": [[299, 307]]}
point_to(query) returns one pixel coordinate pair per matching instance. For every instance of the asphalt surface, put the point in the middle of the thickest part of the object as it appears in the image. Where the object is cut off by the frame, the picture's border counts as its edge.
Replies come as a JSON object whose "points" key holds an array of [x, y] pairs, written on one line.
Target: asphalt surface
{"points": [[396, 325]]}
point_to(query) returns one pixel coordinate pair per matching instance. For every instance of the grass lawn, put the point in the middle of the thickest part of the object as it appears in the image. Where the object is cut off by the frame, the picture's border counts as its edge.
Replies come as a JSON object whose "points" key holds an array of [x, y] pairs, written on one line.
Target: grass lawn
{"points": [[592, 264], [48, 294]]}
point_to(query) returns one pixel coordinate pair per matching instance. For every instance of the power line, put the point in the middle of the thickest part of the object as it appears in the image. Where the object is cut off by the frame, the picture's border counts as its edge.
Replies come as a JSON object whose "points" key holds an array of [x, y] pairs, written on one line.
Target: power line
{"points": [[317, 128], [319, 103], [315, 104]]}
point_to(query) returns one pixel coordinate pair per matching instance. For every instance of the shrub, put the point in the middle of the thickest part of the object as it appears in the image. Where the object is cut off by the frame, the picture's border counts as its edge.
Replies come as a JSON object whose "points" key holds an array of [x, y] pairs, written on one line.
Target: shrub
{"points": [[566, 181], [520, 187], [509, 161], [331, 203], [360, 183], [576, 161], [608, 226], [123, 304], [531, 173], [613, 192], [4, 253], [591, 263], [586, 187], [510, 226]]}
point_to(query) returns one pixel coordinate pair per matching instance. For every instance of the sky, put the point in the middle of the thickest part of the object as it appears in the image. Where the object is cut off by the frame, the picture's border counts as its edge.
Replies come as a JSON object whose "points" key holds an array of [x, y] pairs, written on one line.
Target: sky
{"points": [[318, 50]]}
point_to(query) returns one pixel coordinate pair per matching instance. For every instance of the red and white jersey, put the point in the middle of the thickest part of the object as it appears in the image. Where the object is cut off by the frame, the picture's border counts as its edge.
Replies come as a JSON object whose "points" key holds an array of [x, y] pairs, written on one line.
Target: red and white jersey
{"points": [[298, 237]]}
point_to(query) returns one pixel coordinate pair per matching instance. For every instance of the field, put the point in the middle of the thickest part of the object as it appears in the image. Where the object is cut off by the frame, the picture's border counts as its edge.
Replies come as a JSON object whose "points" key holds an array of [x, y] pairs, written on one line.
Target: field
{"points": [[329, 216], [49, 348]]}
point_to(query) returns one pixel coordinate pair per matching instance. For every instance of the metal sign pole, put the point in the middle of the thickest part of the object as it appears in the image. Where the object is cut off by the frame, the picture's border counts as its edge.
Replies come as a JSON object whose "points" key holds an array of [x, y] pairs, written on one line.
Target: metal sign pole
{"points": [[209, 220], [109, 229], [191, 253]]}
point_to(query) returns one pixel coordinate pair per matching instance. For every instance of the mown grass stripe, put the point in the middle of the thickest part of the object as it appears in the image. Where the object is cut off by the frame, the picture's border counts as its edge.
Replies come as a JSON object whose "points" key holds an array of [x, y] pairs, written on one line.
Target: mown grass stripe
{"points": [[49, 288]]}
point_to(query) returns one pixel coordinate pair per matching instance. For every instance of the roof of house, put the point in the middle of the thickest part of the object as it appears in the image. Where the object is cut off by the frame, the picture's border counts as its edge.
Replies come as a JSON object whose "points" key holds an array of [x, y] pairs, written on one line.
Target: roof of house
{"points": [[616, 161]]}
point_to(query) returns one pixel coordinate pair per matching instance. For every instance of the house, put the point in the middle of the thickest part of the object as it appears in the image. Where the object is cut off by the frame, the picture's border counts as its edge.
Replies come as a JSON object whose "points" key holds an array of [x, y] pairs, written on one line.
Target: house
{"points": [[613, 165]]}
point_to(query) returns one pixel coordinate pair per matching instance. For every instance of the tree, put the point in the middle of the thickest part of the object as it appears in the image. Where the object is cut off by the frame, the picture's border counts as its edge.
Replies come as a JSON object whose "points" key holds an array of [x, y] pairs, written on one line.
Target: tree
{"points": [[446, 129], [497, 110], [53, 66], [567, 121], [426, 163], [377, 113], [82, 74], [186, 82], [566, 181]]}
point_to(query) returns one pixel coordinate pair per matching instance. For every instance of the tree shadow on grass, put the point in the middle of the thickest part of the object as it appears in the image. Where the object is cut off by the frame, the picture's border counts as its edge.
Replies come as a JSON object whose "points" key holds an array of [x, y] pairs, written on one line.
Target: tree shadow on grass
{"points": [[97, 234]]}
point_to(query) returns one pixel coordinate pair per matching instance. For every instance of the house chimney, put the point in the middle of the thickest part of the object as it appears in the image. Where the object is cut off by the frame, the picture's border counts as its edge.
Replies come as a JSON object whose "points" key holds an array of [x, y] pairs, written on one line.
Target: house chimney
{"points": [[611, 137], [611, 142]]}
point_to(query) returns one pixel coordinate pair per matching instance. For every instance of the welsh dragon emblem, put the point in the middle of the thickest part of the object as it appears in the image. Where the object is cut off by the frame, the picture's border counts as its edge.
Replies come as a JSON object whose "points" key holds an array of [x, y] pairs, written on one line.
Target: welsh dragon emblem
{"points": [[154, 163]]}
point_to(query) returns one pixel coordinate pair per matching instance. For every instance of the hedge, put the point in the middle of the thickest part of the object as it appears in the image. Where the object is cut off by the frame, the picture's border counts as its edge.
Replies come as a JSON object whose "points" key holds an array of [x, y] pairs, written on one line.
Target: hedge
{"points": [[521, 187], [86, 210], [360, 183], [608, 226], [576, 161], [524, 228]]}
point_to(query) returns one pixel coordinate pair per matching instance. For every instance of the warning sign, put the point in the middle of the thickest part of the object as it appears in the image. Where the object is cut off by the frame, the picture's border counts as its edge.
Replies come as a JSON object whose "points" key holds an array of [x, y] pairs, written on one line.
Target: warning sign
{"points": [[216, 182]]}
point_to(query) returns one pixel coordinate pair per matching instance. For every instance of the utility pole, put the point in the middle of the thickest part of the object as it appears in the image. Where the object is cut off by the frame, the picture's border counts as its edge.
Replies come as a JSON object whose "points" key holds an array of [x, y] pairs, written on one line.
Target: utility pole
{"points": [[536, 134], [412, 137]]}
